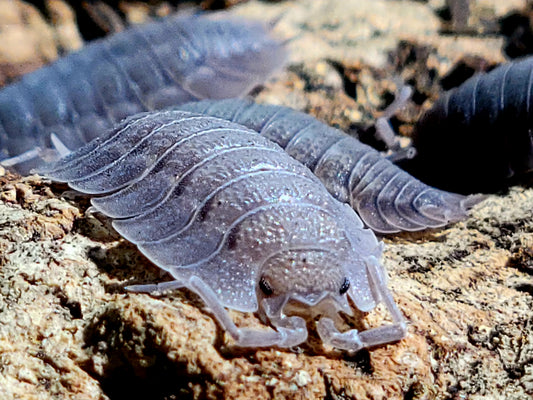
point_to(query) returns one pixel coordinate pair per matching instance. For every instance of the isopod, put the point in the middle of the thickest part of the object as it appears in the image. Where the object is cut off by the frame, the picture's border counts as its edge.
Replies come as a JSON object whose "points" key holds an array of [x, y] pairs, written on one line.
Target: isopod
{"points": [[145, 68], [386, 198], [478, 137], [234, 218]]}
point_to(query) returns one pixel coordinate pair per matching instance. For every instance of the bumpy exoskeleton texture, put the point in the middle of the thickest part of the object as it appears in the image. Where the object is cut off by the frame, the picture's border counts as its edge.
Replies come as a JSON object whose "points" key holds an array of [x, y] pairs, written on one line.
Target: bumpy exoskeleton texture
{"points": [[234, 218], [479, 136], [386, 198], [144, 68]]}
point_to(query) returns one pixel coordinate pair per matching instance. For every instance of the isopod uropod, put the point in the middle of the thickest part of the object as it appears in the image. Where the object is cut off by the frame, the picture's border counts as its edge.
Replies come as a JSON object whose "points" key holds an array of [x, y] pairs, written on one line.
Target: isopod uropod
{"points": [[235, 219]]}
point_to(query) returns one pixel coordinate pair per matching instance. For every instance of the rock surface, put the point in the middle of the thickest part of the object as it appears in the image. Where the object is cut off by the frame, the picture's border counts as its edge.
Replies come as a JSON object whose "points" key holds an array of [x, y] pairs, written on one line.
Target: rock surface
{"points": [[68, 329]]}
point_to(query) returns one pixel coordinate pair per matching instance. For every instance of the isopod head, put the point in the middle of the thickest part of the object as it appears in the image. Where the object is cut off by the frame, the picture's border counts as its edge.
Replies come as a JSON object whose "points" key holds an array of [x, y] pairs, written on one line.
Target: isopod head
{"points": [[304, 282]]}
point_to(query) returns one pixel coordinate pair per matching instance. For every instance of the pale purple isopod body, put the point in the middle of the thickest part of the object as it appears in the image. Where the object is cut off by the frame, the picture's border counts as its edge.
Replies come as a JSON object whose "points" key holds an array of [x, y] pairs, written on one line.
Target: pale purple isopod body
{"points": [[147, 67], [386, 198], [234, 218]]}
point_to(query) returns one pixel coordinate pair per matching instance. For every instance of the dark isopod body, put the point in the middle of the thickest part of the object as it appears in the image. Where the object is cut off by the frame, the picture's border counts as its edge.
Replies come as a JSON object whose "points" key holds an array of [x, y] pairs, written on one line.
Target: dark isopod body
{"points": [[478, 137], [148, 67]]}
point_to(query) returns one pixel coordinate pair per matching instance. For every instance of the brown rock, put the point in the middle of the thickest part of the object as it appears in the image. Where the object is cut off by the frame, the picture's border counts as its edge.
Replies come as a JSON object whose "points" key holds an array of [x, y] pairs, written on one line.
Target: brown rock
{"points": [[29, 41]]}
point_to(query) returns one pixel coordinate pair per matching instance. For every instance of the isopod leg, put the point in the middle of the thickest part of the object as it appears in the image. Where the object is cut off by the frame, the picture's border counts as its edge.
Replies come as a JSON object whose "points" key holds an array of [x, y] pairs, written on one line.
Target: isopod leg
{"points": [[156, 288], [59, 150], [59, 146], [291, 332], [353, 340], [26, 156], [385, 132], [328, 332]]}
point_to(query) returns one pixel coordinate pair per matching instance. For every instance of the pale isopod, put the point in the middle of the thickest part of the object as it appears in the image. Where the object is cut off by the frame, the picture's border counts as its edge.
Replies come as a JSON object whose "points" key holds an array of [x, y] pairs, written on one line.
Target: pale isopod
{"points": [[386, 198], [235, 219]]}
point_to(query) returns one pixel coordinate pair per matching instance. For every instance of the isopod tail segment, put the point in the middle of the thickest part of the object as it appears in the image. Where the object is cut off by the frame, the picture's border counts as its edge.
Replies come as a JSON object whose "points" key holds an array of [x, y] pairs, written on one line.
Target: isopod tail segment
{"points": [[385, 132], [291, 330]]}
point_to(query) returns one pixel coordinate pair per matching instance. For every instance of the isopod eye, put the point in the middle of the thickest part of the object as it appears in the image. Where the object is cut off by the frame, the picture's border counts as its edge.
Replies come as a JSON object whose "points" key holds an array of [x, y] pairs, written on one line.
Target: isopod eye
{"points": [[345, 286], [265, 287]]}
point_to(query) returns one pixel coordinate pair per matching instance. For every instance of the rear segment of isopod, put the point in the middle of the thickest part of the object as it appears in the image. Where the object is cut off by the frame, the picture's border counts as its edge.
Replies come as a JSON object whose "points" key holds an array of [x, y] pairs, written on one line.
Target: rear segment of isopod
{"points": [[235, 219], [149, 67], [386, 198]]}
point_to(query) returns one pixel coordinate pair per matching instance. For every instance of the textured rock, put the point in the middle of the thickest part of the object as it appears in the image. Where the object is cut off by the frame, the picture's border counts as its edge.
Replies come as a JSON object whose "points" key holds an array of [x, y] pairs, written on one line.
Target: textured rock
{"points": [[68, 330]]}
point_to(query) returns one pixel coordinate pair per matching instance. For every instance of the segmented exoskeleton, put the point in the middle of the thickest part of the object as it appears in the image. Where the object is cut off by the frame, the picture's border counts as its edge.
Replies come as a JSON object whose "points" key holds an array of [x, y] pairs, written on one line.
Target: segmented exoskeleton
{"points": [[148, 67], [234, 218], [386, 198], [478, 137]]}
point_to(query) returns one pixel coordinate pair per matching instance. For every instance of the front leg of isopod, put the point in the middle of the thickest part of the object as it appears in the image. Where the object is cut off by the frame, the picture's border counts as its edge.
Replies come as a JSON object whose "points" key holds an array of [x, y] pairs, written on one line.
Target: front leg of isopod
{"points": [[353, 340], [291, 331], [156, 288], [330, 335]]}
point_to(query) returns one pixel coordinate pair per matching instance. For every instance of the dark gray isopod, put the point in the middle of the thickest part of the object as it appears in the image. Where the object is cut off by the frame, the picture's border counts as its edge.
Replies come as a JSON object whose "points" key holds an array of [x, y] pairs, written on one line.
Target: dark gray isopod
{"points": [[479, 136], [144, 68]]}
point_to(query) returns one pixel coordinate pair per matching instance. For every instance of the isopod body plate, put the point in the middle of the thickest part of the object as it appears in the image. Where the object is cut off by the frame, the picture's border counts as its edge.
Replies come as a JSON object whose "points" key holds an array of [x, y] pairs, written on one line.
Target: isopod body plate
{"points": [[235, 219]]}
